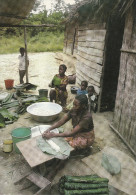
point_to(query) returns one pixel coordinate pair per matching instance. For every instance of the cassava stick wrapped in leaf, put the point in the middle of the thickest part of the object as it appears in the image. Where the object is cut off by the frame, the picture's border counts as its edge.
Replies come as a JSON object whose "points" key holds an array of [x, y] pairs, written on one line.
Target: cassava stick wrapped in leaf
{"points": [[89, 192], [83, 179], [82, 186]]}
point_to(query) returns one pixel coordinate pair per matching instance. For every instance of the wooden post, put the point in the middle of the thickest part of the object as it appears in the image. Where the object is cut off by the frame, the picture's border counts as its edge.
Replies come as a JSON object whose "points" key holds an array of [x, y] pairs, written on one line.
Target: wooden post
{"points": [[26, 61], [73, 42]]}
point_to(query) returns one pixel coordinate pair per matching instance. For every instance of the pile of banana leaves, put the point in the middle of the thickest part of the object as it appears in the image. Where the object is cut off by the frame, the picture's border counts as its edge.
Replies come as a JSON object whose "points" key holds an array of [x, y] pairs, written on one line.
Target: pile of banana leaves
{"points": [[19, 102], [7, 117], [80, 185]]}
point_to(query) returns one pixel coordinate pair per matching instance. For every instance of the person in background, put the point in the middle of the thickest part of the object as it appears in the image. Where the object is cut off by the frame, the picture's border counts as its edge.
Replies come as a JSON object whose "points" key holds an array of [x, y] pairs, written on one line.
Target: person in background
{"points": [[92, 99], [79, 91], [59, 82], [22, 66], [83, 88], [82, 135]]}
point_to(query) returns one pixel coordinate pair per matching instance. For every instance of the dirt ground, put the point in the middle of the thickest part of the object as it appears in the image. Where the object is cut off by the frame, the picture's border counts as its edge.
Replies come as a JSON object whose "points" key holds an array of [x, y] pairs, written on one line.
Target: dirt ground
{"points": [[42, 68]]}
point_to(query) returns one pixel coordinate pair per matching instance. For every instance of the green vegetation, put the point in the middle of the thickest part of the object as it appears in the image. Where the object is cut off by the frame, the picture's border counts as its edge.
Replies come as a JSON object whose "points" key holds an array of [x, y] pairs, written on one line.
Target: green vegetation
{"points": [[39, 39], [46, 41], [42, 42]]}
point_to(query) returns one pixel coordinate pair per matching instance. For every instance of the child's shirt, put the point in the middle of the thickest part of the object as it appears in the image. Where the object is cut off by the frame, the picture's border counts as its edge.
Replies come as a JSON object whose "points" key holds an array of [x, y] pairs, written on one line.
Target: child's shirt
{"points": [[22, 62], [91, 102], [79, 92]]}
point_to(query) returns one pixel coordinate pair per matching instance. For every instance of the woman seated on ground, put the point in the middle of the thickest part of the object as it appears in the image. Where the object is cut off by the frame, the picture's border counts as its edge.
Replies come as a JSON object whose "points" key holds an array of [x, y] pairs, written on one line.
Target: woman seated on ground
{"points": [[83, 88], [82, 135], [59, 82]]}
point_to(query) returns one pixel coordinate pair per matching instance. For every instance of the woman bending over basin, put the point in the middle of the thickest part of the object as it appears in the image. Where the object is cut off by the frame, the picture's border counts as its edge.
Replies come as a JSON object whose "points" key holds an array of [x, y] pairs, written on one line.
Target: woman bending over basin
{"points": [[82, 134]]}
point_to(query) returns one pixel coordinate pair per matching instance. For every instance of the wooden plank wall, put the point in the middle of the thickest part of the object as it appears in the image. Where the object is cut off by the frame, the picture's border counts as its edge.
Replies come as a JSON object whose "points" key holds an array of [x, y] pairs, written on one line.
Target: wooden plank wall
{"points": [[70, 40], [125, 107], [90, 51]]}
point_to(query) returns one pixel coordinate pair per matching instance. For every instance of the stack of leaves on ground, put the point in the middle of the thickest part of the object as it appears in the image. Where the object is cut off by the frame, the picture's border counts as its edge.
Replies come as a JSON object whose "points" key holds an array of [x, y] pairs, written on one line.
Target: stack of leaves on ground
{"points": [[80, 185], [17, 103], [7, 117]]}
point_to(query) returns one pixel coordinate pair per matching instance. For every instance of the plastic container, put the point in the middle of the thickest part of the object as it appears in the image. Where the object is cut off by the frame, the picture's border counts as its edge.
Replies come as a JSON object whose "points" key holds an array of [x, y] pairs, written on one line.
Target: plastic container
{"points": [[43, 92], [9, 83], [74, 89], [7, 146], [19, 135]]}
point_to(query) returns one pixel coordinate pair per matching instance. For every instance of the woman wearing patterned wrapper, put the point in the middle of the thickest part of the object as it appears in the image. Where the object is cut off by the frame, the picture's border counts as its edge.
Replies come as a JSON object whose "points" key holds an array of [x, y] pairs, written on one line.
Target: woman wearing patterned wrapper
{"points": [[59, 82], [82, 134]]}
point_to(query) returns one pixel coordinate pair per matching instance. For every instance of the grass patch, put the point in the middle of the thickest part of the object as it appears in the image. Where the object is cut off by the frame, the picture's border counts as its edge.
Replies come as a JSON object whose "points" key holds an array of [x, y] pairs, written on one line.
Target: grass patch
{"points": [[43, 42]]}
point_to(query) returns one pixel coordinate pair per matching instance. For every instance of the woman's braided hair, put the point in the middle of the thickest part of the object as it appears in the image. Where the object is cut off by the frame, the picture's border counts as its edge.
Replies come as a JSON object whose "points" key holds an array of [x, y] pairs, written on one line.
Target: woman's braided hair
{"points": [[83, 100]]}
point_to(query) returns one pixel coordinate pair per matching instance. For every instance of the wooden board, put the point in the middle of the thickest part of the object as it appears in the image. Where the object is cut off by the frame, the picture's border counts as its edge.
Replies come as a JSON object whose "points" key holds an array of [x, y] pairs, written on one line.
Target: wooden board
{"points": [[68, 51], [38, 180], [125, 108], [91, 51], [124, 181], [91, 58], [32, 154], [96, 26], [92, 35], [92, 44], [90, 64], [91, 73], [85, 77], [80, 77]]}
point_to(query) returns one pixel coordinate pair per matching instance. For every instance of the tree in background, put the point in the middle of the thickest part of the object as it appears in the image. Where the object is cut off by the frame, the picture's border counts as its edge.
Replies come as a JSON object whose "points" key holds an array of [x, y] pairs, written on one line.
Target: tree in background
{"points": [[59, 6], [41, 38], [36, 5]]}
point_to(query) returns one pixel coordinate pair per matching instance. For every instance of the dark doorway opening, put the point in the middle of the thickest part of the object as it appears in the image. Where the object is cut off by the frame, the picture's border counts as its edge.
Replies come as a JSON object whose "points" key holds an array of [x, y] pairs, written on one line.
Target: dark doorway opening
{"points": [[113, 44]]}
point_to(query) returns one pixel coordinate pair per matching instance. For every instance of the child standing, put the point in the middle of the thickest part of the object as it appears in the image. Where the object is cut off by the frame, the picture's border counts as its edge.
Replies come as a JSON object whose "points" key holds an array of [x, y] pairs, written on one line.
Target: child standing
{"points": [[83, 90], [22, 66], [92, 99]]}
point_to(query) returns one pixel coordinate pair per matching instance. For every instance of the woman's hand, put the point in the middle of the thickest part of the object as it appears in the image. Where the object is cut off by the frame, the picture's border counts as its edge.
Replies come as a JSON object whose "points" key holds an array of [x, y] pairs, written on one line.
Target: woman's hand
{"points": [[48, 135], [45, 132]]}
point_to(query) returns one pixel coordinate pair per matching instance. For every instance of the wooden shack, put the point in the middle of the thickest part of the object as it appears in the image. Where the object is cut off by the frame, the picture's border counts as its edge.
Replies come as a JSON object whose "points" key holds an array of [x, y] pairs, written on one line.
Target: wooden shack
{"points": [[124, 122], [101, 36]]}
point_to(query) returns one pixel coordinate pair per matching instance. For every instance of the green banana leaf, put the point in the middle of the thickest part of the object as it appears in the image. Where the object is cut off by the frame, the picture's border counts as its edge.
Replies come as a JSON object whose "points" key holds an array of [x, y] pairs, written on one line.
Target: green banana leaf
{"points": [[8, 98], [2, 121], [8, 116], [65, 148]]}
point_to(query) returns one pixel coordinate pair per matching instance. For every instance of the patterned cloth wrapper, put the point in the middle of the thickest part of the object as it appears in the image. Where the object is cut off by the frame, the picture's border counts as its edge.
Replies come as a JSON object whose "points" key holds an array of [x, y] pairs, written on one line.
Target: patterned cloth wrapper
{"points": [[81, 140]]}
